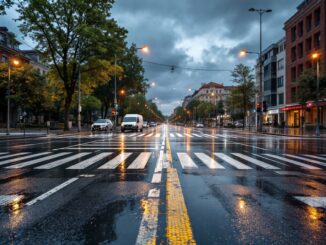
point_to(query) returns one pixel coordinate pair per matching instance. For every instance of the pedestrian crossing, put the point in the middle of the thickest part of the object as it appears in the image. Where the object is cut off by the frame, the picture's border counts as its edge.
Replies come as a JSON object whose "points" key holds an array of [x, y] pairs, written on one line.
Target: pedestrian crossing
{"points": [[111, 160]]}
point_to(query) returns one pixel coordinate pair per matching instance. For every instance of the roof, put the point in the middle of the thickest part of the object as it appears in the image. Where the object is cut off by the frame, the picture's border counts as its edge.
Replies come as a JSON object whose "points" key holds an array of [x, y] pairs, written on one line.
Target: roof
{"points": [[211, 85]]}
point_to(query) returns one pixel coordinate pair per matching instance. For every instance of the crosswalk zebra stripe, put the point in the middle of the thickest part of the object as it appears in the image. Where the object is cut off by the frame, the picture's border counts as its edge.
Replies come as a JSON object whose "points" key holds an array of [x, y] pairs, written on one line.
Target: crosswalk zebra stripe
{"points": [[208, 136], [42, 159], [197, 135], [220, 135], [62, 161], [209, 161], [189, 135], [141, 135], [22, 158], [292, 161], [316, 157], [179, 135], [88, 162], [232, 161], [7, 199], [149, 135], [157, 135], [172, 135], [14, 155], [255, 161], [306, 159], [186, 161], [316, 202], [3, 153], [112, 164], [132, 135], [141, 161]]}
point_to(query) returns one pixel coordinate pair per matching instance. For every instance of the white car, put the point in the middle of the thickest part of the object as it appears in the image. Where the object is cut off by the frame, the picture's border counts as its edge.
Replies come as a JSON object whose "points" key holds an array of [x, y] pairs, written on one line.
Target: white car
{"points": [[199, 125], [102, 125]]}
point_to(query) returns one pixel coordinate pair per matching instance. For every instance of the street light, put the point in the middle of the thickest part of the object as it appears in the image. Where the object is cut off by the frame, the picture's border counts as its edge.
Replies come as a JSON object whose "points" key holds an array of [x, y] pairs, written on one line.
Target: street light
{"points": [[153, 84], [144, 49], [14, 62], [316, 56], [260, 114]]}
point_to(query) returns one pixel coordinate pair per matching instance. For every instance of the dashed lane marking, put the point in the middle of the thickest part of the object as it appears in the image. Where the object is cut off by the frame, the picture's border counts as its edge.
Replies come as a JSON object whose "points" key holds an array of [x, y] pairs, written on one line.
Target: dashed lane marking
{"points": [[51, 192]]}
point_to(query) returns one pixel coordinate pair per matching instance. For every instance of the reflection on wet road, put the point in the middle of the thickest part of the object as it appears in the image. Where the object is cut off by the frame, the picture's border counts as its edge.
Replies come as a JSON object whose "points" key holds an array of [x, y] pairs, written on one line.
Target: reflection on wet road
{"points": [[168, 184]]}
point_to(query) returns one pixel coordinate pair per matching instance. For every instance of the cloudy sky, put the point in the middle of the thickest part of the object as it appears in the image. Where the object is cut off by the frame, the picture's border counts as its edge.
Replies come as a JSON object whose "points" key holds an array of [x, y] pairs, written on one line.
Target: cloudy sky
{"points": [[195, 34]]}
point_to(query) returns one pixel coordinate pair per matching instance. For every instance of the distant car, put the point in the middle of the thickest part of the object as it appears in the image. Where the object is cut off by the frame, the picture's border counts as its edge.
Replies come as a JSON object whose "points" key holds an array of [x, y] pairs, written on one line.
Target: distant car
{"points": [[238, 124], [102, 125], [152, 124], [145, 124], [199, 125]]}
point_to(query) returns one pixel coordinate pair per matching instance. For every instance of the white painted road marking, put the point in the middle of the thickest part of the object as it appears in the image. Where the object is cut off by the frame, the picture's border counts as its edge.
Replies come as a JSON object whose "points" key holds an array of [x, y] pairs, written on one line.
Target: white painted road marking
{"points": [[179, 135], [42, 159], [197, 135], [172, 135], [255, 161], [209, 161], [232, 161], [186, 161], [112, 148], [154, 193], [141, 161], [112, 164], [7, 199], [317, 157], [157, 177], [51, 192], [149, 135], [88, 162], [292, 161], [306, 159], [23, 158], [316, 202], [62, 161]]}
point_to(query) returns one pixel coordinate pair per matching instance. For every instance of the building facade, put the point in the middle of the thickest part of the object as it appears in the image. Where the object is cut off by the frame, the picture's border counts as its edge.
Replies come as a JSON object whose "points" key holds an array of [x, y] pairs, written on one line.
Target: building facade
{"points": [[212, 92], [305, 33]]}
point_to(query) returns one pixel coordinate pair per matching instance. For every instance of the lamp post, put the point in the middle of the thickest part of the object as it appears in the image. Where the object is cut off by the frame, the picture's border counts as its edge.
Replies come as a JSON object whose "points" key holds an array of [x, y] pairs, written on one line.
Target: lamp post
{"points": [[260, 96], [316, 56], [15, 62]]}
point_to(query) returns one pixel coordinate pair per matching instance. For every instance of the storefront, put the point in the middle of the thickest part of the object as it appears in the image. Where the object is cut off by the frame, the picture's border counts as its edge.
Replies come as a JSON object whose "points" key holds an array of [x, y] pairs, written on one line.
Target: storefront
{"points": [[304, 115], [274, 117]]}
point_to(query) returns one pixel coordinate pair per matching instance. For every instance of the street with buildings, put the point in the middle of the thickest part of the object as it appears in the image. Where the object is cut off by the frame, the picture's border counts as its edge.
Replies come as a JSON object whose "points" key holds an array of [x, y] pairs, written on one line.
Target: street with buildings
{"points": [[109, 136]]}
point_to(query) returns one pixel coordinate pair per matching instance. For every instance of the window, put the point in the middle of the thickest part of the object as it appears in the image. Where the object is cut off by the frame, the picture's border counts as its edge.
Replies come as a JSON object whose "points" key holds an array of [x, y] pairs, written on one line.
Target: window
{"points": [[317, 40], [280, 82], [308, 23], [280, 64], [317, 17], [267, 85], [293, 94], [300, 29], [266, 70], [308, 45], [293, 33], [300, 70], [281, 99], [293, 74], [293, 54], [281, 48], [300, 50]]}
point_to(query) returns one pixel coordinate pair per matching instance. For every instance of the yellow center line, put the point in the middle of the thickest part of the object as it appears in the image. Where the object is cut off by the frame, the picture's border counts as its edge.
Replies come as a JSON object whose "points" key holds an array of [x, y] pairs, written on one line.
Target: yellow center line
{"points": [[178, 230]]}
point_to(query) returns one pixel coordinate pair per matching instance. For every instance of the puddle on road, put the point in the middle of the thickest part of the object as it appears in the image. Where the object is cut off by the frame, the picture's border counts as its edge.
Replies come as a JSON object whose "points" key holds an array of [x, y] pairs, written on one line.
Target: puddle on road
{"points": [[114, 223]]}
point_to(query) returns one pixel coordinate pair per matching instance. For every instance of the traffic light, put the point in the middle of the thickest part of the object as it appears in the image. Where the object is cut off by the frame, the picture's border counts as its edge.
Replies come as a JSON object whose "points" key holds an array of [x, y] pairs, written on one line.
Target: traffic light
{"points": [[258, 107], [264, 106]]}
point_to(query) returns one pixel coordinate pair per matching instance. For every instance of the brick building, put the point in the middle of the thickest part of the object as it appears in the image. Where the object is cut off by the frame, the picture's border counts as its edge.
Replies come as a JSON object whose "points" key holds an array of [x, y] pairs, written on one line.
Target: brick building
{"points": [[305, 33]]}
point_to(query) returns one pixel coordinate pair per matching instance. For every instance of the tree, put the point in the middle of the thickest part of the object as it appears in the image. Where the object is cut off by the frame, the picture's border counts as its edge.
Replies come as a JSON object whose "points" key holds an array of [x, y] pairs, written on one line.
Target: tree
{"points": [[205, 109], [5, 4], [71, 33], [245, 91]]}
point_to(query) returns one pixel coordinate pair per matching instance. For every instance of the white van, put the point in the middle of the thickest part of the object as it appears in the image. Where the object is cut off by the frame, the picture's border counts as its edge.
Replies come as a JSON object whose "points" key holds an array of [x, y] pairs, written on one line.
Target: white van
{"points": [[133, 122]]}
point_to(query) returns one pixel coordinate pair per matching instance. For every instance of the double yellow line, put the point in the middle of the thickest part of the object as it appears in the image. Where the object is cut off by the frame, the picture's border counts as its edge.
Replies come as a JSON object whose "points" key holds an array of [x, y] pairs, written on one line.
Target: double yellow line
{"points": [[178, 230]]}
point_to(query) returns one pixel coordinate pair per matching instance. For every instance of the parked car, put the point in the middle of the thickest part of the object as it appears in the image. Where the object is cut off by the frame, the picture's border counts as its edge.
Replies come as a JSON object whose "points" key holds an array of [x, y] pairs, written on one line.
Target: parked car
{"points": [[133, 122], [199, 125], [238, 124], [145, 124], [102, 125]]}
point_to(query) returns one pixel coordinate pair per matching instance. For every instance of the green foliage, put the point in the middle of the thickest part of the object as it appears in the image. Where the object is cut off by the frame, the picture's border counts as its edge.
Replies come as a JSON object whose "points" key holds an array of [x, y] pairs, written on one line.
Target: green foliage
{"points": [[307, 86], [5, 4], [220, 108]]}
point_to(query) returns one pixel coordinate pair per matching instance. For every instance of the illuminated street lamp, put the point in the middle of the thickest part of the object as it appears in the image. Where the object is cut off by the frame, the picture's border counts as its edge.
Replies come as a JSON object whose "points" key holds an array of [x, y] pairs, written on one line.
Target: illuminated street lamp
{"points": [[16, 63], [316, 56], [144, 49], [122, 92], [153, 84]]}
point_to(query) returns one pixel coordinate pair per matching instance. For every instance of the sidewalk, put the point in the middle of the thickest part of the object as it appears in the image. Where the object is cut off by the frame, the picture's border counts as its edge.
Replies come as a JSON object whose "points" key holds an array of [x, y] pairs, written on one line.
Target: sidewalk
{"points": [[291, 132], [35, 133]]}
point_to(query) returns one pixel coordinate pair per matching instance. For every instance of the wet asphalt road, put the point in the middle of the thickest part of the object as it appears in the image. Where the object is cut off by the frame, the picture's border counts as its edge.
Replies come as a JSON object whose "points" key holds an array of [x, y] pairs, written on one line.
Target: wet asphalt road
{"points": [[238, 188]]}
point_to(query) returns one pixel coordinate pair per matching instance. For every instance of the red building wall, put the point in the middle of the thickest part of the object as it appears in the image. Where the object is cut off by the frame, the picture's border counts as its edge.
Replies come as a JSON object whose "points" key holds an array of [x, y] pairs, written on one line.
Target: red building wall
{"points": [[298, 49]]}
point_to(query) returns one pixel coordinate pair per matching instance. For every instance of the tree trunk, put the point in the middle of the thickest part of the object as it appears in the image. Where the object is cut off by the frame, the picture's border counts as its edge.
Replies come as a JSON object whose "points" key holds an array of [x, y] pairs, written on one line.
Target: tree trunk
{"points": [[68, 100]]}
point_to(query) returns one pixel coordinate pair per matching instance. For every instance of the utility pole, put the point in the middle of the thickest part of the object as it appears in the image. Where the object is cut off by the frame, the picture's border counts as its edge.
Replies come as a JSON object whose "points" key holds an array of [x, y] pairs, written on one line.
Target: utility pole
{"points": [[8, 98], [79, 102], [115, 91], [317, 100]]}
